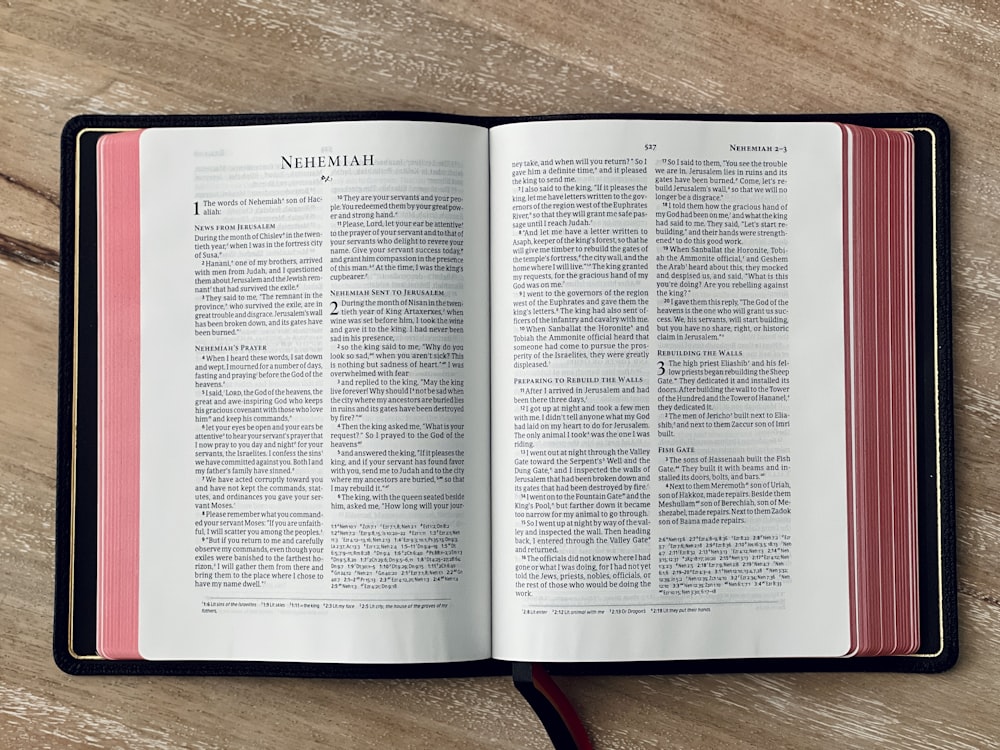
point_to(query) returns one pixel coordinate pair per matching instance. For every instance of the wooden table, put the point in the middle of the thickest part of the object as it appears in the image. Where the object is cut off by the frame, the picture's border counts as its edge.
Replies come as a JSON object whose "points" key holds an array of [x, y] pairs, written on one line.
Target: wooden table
{"points": [[515, 57]]}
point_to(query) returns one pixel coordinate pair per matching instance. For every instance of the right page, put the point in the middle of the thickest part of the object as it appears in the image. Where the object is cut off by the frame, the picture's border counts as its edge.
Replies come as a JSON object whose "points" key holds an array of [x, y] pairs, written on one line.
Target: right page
{"points": [[668, 379]]}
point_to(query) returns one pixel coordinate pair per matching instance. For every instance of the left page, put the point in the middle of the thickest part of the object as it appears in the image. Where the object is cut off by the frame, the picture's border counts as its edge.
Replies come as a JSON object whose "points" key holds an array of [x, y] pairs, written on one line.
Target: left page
{"points": [[314, 434]]}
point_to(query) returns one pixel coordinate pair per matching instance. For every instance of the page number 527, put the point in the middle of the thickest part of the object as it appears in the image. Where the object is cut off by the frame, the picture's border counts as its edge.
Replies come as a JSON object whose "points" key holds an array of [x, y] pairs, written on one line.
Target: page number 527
{"points": [[651, 147]]}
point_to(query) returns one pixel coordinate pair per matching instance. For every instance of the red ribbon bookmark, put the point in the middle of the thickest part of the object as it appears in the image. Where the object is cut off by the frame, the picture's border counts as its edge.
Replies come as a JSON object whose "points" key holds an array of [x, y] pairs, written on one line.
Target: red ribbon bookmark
{"points": [[553, 708]]}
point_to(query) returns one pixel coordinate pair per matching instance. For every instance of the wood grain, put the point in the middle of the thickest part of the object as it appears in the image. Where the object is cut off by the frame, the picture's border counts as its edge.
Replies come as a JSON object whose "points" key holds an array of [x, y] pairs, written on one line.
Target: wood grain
{"points": [[515, 57]]}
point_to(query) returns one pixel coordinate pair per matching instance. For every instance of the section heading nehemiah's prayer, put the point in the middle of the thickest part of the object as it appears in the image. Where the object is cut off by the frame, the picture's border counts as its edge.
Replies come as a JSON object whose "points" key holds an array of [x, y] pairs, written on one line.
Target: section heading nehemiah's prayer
{"points": [[327, 160]]}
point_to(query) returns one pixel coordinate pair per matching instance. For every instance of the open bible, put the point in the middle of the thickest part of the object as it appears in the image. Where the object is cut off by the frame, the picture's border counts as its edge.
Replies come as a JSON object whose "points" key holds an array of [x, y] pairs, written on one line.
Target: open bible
{"points": [[343, 393]]}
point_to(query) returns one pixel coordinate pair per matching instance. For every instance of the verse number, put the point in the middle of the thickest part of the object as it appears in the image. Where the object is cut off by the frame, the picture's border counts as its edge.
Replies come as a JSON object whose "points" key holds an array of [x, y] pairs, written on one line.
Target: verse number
{"points": [[651, 147]]}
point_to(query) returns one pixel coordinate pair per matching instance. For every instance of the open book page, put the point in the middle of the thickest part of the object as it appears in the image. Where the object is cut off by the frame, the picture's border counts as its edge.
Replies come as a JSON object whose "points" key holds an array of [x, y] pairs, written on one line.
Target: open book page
{"points": [[669, 476], [315, 427]]}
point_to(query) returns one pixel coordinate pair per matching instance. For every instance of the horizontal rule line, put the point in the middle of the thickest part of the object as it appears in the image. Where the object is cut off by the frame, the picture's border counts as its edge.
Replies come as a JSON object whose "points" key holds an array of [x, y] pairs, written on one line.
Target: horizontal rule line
{"points": [[528, 603], [309, 599]]}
